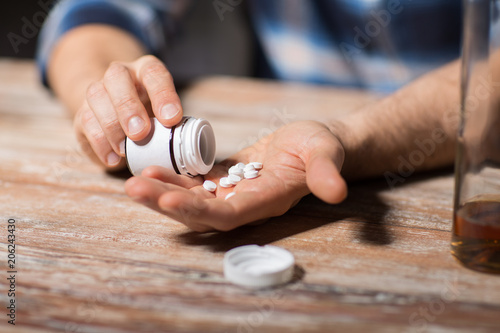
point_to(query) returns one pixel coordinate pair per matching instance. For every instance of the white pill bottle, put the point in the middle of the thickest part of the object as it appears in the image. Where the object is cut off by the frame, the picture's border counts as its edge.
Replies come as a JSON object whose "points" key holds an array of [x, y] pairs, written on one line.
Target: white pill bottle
{"points": [[187, 148]]}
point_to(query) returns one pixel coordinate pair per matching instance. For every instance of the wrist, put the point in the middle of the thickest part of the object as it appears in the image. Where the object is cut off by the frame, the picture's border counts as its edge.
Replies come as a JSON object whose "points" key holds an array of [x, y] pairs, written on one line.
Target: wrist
{"points": [[81, 57], [346, 136]]}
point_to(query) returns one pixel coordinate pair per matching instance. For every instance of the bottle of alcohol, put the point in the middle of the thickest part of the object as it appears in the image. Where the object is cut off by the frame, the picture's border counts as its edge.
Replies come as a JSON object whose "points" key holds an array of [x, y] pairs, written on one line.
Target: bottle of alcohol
{"points": [[476, 222]]}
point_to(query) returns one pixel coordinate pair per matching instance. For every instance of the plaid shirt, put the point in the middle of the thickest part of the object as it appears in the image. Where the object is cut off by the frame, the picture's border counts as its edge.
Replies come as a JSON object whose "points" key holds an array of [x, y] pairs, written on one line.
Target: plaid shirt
{"points": [[373, 44]]}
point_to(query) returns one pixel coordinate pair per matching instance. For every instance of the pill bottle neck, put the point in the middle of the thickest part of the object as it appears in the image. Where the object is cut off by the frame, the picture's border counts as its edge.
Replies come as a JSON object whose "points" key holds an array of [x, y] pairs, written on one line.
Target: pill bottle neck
{"points": [[196, 146]]}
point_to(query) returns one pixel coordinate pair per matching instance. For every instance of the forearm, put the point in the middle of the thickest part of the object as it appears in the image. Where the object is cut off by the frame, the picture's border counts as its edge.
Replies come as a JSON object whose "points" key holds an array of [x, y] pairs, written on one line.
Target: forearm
{"points": [[82, 56], [413, 129]]}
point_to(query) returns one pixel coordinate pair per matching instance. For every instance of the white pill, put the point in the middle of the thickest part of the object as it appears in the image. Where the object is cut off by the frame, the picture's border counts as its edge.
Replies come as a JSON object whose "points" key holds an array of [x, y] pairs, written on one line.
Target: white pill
{"points": [[251, 174], [256, 165], [234, 179], [240, 165], [224, 182], [234, 170], [248, 167], [229, 195], [209, 185]]}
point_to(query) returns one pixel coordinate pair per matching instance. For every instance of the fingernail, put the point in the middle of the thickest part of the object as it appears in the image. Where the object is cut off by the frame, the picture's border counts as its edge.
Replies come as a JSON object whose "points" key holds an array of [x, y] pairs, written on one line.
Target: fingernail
{"points": [[122, 148], [135, 125], [113, 159], [169, 111]]}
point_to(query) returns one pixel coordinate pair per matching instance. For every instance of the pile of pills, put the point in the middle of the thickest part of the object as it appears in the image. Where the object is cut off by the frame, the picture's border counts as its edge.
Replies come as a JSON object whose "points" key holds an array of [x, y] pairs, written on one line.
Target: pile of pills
{"points": [[236, 174]]}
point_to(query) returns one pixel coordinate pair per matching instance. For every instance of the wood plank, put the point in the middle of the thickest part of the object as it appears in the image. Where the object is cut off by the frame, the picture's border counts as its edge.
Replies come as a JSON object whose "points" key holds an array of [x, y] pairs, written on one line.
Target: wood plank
{"points": [[92, 260], [21, 91]]}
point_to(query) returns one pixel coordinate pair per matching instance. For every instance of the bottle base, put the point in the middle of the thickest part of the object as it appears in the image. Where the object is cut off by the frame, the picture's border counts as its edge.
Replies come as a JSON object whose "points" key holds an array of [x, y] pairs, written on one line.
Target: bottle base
{"points": [[481, 255]]}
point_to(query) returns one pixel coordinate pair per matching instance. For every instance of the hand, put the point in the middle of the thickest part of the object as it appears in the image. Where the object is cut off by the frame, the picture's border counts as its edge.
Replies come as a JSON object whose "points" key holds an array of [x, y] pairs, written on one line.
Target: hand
{"points": [[298, 159], [120, 105]]}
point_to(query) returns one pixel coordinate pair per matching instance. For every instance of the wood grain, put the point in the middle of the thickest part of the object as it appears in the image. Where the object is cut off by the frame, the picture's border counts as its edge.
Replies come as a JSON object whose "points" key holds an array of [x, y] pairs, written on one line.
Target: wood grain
{"points": [[92, 260]]}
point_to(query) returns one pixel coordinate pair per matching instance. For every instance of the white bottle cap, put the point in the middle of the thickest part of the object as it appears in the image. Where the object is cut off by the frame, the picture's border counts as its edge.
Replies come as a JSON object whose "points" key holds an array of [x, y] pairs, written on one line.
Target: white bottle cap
{"points": [[187, 148], [258, 266]]}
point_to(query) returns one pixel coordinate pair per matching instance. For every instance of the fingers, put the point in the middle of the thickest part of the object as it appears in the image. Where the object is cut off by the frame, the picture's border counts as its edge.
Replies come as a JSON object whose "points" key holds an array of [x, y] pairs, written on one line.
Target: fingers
{"points": [[113, 109], [194, 210], [322, 174], [123, 105], [240, 209], [103, 111], [169, 176], [89, 132], [118, 105], [199, 209], [149, 192], [219, 214], [159, 84]]}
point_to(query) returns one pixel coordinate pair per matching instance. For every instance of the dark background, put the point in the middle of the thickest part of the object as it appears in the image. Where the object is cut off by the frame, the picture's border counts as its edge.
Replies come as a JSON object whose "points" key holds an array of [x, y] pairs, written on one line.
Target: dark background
{"points": [[202, 33], [11, 22]]}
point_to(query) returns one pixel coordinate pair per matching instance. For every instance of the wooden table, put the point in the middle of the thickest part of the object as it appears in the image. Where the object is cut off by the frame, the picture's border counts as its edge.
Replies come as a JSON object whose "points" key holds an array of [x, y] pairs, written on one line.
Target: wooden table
{"points": [[91, 260]]}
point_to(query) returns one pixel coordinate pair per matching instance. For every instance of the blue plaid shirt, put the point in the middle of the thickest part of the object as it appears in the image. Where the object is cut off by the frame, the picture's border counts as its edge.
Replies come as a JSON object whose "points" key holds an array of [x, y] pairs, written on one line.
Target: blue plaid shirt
{"points": [[374, 44]]}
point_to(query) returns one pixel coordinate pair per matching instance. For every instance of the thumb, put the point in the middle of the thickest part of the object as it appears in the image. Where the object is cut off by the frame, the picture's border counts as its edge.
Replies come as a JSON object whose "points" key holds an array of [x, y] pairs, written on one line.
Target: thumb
{"points": [[322, 173]]}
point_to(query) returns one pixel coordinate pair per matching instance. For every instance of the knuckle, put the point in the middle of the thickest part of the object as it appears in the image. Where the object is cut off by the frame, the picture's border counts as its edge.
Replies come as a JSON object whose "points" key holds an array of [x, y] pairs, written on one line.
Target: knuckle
{"points": [[115, 69], [87, 118], [163, 93], [156, 71], [95, 90], [110, 125], [127, 103], [148, 58], [96, 136], [91, 128]]}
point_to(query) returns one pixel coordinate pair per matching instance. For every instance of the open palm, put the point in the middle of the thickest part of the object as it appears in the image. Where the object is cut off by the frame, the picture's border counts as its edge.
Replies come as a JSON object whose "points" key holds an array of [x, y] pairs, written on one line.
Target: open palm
{"points": [[298, 159]]}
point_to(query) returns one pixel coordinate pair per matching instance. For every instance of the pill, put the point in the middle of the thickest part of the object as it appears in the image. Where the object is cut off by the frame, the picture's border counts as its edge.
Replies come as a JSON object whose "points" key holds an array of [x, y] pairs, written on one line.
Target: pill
{"points": [[248, 167], [209, 185], [251, 174], [234, 179], [229, 195], [256, 165], [224, 182], [234, 170], [241, 165]]}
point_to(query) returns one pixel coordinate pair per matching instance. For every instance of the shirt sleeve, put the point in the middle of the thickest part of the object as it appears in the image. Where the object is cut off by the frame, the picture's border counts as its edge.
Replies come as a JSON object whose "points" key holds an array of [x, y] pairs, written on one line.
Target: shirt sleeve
{"points": [[143, 19]]}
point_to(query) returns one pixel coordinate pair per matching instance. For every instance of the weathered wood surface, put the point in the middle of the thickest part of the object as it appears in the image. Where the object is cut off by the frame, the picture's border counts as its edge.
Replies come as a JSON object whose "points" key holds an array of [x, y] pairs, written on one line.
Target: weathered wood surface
{"points": [[91, 260]]}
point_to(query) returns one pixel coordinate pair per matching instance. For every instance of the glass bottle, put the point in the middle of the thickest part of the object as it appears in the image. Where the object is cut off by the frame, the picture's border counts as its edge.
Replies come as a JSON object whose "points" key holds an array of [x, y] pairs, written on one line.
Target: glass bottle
{"points": [[476, 219]]}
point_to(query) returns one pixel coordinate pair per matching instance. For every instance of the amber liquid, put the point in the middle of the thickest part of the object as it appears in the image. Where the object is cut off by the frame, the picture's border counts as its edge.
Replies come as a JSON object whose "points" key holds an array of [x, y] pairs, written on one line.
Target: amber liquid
{"points": [[476, 235]]}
